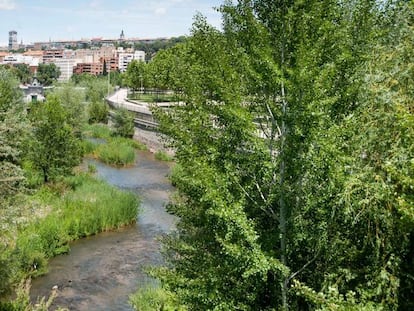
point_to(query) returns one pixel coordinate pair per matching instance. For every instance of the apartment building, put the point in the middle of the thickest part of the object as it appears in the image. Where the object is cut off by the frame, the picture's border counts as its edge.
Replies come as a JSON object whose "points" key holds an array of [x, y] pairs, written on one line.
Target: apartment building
{"points": [[90, 68], [66, 66], [125, 58], [49, 56]]}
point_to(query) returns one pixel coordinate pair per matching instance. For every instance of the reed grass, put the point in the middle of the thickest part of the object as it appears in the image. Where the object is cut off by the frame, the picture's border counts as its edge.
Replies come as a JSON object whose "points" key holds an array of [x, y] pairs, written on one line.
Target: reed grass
{"points": [[97, 130], [116, 152], [163, 156], [89, 207]]}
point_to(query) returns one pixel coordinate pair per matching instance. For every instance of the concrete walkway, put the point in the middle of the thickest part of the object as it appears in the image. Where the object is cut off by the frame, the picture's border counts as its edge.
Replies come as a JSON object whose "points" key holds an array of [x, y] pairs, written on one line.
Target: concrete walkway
{"points": [[150, 138]]}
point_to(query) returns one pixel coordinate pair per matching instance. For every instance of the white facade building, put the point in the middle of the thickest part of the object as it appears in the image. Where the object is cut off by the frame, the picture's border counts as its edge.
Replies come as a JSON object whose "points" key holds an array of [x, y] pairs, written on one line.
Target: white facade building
{"points": [[66, 68], [125, 58]]}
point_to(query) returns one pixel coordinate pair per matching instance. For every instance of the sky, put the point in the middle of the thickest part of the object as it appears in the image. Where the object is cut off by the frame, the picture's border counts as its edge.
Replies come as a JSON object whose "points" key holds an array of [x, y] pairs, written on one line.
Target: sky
{"points": [[44, 20]]}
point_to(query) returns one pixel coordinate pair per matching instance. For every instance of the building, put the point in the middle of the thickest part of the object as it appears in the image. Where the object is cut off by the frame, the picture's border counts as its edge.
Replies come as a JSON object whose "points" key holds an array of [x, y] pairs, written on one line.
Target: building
{"points": [[66, 67], [13, 45], [90, 68], [125, 58], [49, 56], [3, 55], [34, 92]]}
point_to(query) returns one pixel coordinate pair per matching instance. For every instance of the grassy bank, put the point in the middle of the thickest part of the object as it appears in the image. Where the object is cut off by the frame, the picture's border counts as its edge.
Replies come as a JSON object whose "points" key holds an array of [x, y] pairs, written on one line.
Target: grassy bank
{"points": [[77, 207], [112, 150]]}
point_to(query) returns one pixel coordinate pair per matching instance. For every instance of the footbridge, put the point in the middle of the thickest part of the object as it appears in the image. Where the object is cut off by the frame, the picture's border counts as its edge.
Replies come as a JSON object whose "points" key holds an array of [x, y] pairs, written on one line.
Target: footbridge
{"points": [[143, 115]]}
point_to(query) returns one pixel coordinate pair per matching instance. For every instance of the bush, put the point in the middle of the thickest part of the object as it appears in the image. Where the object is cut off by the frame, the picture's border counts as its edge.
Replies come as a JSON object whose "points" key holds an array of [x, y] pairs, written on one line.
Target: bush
{"points": [[98, 112], [123, 123], [154, 299], [163, 156], [116, 153], [97, 131]]}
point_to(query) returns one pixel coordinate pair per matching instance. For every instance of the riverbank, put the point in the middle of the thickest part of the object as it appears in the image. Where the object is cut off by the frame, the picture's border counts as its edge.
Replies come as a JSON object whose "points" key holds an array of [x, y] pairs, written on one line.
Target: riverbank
{"points": [[77, 206], [153, 140], [102, 271]]}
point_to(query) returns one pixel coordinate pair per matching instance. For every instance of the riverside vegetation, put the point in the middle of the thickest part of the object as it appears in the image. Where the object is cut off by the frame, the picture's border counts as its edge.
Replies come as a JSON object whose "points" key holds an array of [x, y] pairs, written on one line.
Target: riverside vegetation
{"points": [[46, 199], [295, 146]]}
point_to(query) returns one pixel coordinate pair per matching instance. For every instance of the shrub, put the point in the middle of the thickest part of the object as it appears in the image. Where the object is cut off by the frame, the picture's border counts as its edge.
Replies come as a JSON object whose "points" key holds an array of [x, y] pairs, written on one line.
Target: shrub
{"points": [[123, 123], [163, 156], [116, 153], [87, 206], [98, 112], [97, 131], [154, 299]]}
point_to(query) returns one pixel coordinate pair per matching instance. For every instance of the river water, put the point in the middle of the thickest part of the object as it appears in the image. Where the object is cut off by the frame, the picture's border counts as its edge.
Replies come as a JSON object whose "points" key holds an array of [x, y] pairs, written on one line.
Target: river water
{"points": [[101, 271]]}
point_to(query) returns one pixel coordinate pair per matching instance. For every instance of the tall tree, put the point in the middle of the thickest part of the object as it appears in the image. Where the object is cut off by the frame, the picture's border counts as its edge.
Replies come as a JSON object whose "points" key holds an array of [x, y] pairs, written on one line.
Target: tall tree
{"points": [[136, 75], [13, 127], [54, 149], [48, 73], [13, 130], [73, 101], [274, 187]]}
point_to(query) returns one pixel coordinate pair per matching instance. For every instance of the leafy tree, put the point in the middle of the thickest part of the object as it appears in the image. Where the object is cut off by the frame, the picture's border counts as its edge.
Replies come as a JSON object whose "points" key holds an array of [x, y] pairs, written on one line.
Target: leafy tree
{"points": [[82, 78], [123, 123], [275, 188], [136, 75], [48, 73], [23, 73], [54, 149], [96, 89], [104, 71], [13, 131], [13, 127], [73, 101], [98, 112]]}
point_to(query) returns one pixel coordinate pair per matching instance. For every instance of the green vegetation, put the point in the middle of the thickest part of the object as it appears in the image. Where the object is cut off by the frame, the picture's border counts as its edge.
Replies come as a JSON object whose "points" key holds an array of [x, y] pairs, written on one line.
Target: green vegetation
{"points": [[163, 156], [123, 123], [48, 73], [77, 206], [295, 148], [98, 112], [151, 48], [97, 130], [116, 152], [43, 204], [22, 300], [113, 150], [154, 298], [54, 149]]}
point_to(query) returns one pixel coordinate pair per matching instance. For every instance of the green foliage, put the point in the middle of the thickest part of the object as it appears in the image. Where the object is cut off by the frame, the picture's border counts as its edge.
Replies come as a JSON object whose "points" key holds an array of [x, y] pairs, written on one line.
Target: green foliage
{"points": [[154, 299], [136, 75], [97, 131], [163, 156], [54, 149], [294, 150], [116, 152], [80, 206], [151, 48], [98, 112], [123, 123], [47, 74], [13, 129], [72, 99], [22, 300], [23, 73]]}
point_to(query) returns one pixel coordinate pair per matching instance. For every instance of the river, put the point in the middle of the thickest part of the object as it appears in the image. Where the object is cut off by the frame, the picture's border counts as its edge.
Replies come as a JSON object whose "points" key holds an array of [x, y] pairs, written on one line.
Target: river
{"points": [[101, 271]]}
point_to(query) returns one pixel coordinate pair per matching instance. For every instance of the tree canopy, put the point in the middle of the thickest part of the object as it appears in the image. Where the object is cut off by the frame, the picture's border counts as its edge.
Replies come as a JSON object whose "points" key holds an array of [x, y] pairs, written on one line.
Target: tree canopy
{"points": [[294, 153], [48, 73]]}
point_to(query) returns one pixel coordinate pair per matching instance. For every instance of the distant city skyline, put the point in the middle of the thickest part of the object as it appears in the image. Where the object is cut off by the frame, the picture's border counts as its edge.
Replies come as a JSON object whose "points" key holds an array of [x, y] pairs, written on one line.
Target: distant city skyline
{"points": [[44, 20]]}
